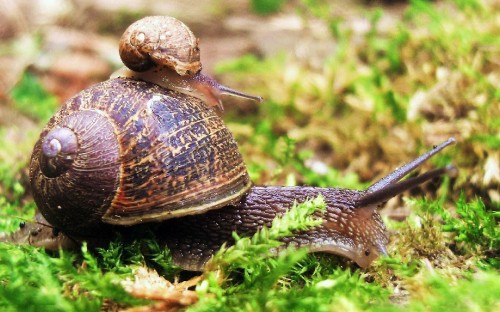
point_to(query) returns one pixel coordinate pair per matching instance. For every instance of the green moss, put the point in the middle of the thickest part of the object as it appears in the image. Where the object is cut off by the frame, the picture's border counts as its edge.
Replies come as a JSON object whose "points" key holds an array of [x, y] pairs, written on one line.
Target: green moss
{"points": [[32, 99], [438, 293], [343, 290], [14, 213], [266, 6], [14, 157], [245, 249], [31, 280], [475, 227], [122, 255]]}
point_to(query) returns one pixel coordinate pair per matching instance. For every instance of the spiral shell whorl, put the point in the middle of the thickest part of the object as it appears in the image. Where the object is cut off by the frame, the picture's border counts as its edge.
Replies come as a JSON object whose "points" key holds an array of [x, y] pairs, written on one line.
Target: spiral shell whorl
{"points": [[75, 161], [59, 149]]}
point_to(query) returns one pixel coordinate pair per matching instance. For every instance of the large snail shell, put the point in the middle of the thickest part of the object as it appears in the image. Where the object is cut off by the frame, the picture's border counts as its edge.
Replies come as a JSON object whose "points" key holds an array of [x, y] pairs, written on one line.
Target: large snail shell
{"points": [[126, 152], [163, 41]]}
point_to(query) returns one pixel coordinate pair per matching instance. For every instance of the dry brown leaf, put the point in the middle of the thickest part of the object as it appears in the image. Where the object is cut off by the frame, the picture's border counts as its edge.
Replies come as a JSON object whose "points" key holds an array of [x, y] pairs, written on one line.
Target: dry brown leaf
{"points": [[147, 284]]}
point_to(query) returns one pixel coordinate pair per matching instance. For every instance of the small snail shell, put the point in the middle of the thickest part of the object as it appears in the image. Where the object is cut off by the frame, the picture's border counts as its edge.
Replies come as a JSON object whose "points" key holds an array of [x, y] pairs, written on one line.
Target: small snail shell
{"points": [[160, 41]]}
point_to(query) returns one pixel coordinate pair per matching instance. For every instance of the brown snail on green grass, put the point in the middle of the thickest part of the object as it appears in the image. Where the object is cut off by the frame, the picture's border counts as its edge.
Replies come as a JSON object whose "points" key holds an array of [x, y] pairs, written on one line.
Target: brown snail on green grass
{"points": [[126, 152], [164, 51]]}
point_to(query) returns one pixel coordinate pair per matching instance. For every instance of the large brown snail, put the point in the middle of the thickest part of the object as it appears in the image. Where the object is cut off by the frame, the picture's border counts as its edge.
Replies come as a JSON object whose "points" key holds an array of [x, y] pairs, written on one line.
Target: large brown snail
{"points": [[126, 151]]}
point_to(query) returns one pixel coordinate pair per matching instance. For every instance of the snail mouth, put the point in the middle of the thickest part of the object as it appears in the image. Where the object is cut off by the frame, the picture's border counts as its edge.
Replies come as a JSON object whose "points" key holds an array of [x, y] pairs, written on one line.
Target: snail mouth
{"points": [[362, 258]]}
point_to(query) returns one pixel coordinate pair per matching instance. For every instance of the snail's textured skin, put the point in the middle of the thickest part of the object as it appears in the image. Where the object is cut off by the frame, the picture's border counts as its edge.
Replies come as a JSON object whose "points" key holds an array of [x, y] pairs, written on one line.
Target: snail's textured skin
{"points": [[145, 152], [357, 233], [160, 41]]}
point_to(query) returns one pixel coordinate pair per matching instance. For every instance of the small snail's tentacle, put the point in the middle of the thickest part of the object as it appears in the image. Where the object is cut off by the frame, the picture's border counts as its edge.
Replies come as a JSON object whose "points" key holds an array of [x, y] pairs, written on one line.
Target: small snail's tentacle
{"points": [[200, 86], [399, 173], [229, 91], [211, 90], [226, 90]]}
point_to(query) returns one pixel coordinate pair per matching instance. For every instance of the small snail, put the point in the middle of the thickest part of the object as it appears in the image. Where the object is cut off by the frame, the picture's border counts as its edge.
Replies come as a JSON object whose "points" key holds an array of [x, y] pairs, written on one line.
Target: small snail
{"points": [[164, 51], [126, 152]]}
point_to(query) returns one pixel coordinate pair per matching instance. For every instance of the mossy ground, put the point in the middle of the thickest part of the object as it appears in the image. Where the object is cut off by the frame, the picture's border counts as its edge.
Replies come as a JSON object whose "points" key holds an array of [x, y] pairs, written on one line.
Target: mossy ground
{"points": [[380, 97]]}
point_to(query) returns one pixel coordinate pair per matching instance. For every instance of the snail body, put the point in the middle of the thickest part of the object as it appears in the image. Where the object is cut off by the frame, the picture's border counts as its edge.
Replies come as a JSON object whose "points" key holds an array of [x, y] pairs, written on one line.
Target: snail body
{"points": [[356, 233], [148, 154]]}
